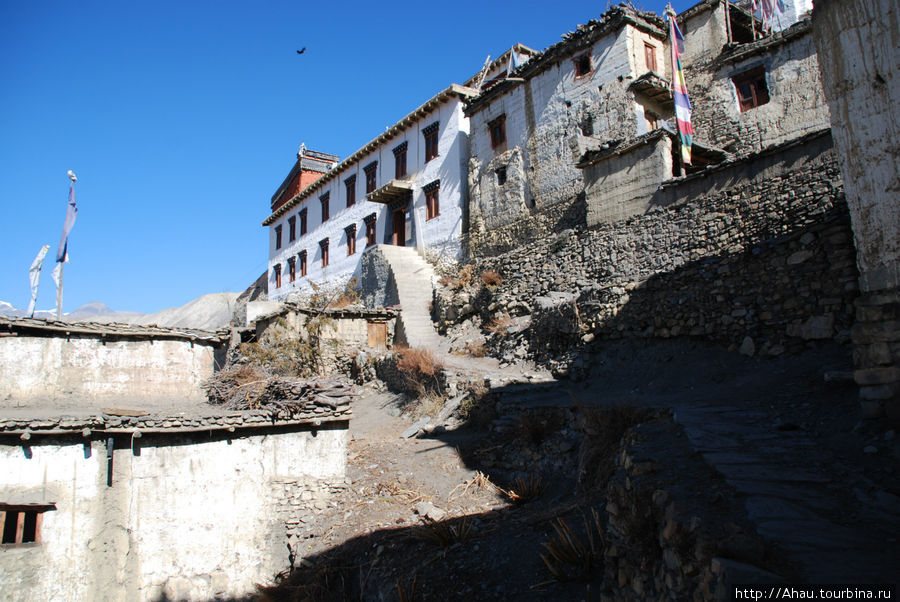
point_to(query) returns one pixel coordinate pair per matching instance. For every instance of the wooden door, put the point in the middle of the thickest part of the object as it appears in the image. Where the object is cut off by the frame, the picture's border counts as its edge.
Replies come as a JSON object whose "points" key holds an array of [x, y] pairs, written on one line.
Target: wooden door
{"points": [[399, 227]]}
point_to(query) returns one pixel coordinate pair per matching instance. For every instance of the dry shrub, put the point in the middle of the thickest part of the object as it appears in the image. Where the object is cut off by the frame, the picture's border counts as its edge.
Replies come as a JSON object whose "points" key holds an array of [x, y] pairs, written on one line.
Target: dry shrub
{"points": [[475, 349], [465, 276], [569, 558], [348, 296], [499, 324], [524, 490], [638, 524], [491, 278], [422, 371], [603, 431], [447, 533]]}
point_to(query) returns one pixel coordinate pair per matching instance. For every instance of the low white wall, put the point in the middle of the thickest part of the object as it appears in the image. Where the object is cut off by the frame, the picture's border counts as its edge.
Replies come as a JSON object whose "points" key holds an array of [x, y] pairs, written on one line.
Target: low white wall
{"points": [[33, 368], [189, 517]]}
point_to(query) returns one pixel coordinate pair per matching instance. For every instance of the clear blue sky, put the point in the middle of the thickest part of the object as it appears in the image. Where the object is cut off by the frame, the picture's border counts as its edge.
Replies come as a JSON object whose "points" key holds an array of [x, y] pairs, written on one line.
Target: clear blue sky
{"points": [[182, 118]]}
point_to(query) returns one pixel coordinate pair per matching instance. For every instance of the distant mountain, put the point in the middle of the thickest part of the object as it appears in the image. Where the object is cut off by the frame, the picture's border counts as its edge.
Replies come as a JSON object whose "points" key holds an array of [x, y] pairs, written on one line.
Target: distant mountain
{"points": [[208, 312]]}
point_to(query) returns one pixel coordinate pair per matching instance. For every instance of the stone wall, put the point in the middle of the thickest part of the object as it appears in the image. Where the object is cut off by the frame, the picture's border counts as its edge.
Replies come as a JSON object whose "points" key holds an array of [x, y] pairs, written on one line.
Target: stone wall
{"points": [[859, 49], [187, 516], [764, 264]]}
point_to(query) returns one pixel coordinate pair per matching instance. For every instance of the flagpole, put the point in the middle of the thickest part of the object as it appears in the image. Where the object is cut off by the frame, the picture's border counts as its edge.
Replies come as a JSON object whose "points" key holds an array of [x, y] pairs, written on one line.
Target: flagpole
{"points": [[59, 284], [62, 255]]}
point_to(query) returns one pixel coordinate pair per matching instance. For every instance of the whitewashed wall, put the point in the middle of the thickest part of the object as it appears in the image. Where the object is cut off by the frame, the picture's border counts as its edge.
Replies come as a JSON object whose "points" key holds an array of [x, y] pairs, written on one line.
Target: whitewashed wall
{"points": [[438, 236], [89, 369], [190, 517]]}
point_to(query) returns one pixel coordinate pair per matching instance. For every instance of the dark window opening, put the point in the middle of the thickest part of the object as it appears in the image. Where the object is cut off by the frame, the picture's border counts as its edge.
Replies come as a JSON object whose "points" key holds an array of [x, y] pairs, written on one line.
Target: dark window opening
{"points": [[431, 141], [652, 120], [370, 229], [650, 56], [277, 272], [583, 65], [350, 184], [751, 88], [21, 524], [292, 228], [371, 171], [302, 257], [400, 160], [292, 269], [501, 176], [432, 200], [587, 125], [497, 128], [325, 210], [323, 246], [277, 237], [351, 239], [303, 222]]}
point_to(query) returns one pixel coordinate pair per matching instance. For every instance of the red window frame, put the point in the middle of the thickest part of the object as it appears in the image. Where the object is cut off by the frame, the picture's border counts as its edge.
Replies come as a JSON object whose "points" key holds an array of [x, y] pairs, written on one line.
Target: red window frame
{"points": [[323, 247], [278, 236], [751, 88], [326, 212], [302, 256], [292, 269], [497, 128], [400, 161], [583, 65], [277, 270], [371, 176], [371, 221], [650, 56], [431, 141], [350, 185], [292, 228], [303, 222], [351, 239]]}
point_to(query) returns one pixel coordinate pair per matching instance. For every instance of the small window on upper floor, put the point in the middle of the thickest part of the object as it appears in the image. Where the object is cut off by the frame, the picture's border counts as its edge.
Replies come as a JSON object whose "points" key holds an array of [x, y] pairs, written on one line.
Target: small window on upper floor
{"points": [[751, 88], [351, 239], [302, 256], [497, 127], [501, 176], [303, 213], [276, 273], [432, 199], [650, 56], [292, 268], [292, 228], [371, 220], [21, 524], [326, 212], [583, 64], [371, 176], [431, 141], [350, 184], [323, 247], [400, 160], [277, 237]]}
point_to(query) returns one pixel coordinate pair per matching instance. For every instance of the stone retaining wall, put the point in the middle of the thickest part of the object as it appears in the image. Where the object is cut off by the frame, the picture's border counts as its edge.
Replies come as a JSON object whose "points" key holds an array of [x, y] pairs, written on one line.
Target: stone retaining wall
{"points": [[765, 265]]}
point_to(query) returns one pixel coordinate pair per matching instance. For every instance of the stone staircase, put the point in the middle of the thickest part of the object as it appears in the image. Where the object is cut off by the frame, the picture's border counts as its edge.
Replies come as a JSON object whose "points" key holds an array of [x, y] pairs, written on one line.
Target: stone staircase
{"points": [[414, 279]]}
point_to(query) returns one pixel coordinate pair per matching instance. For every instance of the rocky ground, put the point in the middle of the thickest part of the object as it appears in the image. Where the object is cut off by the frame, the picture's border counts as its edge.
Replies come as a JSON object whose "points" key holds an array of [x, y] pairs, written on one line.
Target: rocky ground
{"points": [[740, 470]]}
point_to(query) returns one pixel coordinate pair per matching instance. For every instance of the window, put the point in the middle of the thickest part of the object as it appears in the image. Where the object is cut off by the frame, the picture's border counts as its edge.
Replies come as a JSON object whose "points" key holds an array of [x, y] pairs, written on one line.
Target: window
{"points": [[324, 200], [583, 64], [370, 229], [501, 176], [650, 56], [431, 141], [302, 256], [432, 202], [323, 246], [22, 524], [371, 170], [400, 160], [276, 272], [497, 128], [292, 268], [351, 239], [303, 222], [350, 184], [292, 228], [751, 88], [278, 237]]}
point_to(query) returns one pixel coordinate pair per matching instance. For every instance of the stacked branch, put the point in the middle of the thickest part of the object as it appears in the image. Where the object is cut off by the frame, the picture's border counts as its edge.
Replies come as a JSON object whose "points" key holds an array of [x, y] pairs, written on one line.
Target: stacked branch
{"points": [[252, 388]]}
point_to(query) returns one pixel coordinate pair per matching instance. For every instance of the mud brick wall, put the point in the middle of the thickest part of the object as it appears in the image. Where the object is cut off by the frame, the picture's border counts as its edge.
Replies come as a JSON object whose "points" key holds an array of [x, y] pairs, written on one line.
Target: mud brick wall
{"points": [[765, 266]]}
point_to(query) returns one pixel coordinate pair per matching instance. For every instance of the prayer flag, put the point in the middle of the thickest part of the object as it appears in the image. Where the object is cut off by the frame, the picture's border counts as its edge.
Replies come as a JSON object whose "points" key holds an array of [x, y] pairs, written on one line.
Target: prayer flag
{"points": [[683, 106]]}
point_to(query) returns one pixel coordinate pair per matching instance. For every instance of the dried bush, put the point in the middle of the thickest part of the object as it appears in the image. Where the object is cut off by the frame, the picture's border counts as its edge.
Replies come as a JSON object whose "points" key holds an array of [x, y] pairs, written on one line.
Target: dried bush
{"points": [[475, 349], [603, 430], [499, 324], [421, 369], [348, 296], [447, 533], [525, 490], [568, 557], [284, 352], [491, 278]]}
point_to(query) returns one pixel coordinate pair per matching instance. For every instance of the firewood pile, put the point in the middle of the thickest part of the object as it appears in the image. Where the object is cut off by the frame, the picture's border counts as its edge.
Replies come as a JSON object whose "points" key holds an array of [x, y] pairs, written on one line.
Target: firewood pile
{"points": [[252, 388]]}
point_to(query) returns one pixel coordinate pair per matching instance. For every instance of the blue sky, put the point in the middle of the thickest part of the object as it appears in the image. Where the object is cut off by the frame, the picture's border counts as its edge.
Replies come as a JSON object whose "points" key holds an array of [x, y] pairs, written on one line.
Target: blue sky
{"points": [[182, 118]]}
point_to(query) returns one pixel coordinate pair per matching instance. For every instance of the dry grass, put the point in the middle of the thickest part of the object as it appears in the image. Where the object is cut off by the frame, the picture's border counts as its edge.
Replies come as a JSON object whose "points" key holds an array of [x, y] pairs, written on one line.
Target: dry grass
{"points": [[415, 361], [569, 558], [499, 324], [447, 533], [603, 430], [475, 349], [524, 490], [491, 278], [463, 279]]}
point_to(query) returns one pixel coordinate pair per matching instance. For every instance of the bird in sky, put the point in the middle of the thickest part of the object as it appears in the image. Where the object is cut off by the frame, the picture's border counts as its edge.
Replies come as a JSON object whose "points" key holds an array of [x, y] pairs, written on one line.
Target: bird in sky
{"points": [[302, 51]]}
